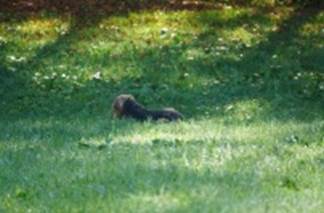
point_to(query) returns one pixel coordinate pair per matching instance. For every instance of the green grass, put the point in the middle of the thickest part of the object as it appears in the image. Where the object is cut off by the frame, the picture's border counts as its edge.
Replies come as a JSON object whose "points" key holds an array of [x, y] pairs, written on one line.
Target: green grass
{"points": [[250, 84]]}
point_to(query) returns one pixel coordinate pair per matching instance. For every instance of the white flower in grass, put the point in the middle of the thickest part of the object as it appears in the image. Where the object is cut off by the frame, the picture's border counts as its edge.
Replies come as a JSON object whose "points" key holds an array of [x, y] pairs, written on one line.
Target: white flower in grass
{"points": [[12, 58], [97, 75]]}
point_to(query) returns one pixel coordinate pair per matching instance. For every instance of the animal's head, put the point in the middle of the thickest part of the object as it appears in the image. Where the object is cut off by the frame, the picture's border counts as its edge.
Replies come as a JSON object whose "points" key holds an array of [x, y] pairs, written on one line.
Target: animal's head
{"points": [[118, 104]]}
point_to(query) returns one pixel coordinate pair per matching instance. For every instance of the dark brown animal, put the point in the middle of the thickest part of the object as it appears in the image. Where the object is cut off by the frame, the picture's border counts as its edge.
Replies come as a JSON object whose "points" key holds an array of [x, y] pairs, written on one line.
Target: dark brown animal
{"points": [[126, 106]]}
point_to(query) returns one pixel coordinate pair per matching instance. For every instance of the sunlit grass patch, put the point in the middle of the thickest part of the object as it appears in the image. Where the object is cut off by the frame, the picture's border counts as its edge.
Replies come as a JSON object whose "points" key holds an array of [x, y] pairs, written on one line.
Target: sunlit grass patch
{"points": [[35, 27], [314, 28], [140, 163], [179, 164], [217, 131], [25, 37]]}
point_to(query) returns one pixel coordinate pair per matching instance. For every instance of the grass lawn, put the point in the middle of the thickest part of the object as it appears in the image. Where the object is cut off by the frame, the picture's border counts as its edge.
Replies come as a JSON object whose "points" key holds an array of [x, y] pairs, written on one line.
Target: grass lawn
{"points": [[250, 83]]}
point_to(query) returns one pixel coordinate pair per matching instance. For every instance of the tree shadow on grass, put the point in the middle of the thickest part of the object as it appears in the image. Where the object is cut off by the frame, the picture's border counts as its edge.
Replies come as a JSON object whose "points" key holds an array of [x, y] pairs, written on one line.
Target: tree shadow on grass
{"points": [[256, 75], [15, 85], [268, 70], [266, 73], [16, 78]]}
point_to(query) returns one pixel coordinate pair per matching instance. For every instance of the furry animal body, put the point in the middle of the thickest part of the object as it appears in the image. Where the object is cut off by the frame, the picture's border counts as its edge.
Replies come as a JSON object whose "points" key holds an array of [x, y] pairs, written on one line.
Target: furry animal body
{"points": [[126, 106]]}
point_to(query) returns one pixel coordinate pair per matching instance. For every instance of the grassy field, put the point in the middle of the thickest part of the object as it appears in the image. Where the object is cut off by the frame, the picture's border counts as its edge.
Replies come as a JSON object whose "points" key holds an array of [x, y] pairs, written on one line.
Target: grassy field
{"points": [[250, 83]]}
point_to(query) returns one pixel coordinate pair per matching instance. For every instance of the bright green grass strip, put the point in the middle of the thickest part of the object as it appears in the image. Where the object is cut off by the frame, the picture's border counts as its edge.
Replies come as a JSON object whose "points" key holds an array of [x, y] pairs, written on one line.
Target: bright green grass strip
{"points": [[164, 167]]}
